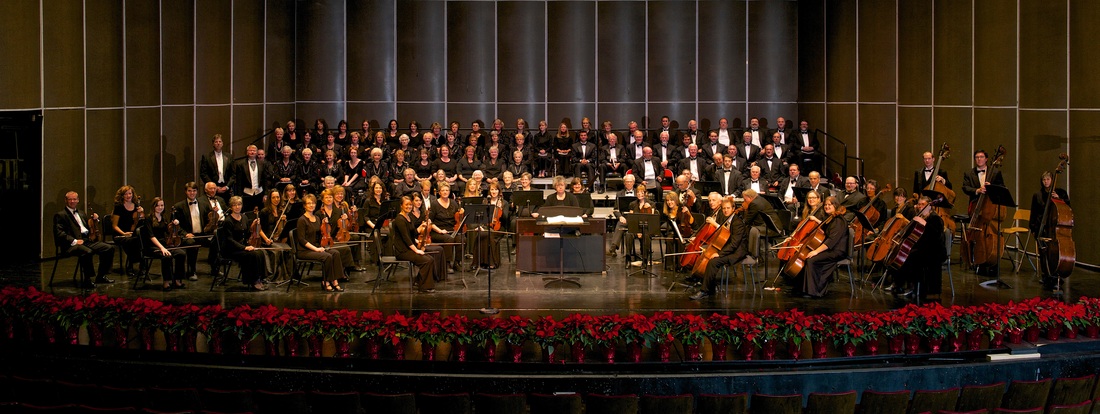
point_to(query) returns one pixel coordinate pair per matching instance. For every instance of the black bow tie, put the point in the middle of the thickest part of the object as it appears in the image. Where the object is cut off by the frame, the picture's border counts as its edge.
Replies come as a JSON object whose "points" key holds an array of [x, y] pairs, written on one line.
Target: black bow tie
{"points": [[191, 203], [755, 181], [927, 170], [981, 171], [692, 158]]}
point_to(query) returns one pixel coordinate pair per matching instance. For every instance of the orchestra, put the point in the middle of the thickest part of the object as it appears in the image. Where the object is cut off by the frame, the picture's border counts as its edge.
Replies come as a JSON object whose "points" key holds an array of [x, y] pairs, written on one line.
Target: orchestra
{"points": [[318, 175]]}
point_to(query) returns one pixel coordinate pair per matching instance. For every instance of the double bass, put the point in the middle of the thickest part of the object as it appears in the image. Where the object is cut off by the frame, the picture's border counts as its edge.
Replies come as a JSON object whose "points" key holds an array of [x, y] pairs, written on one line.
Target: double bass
{"points": [[1057, 252], [935, 185], [984, 242]]}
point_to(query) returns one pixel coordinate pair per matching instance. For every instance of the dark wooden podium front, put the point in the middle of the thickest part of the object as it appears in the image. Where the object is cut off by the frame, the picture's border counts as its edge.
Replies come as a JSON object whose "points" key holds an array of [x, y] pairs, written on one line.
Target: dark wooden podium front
{"points": [[582, 254]]}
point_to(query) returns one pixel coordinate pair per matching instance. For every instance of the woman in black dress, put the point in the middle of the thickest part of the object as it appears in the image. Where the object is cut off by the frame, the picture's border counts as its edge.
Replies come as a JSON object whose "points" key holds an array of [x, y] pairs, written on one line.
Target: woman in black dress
{"points": [[416, 137], [172, 262], [423, 164], [468, 164], [392, 133], [308, 238], [419, 216], [542, 141], [332, 167], [488, 250], [124, 220], [447, 164], [403, 235], [560, 196], [334, 213], [397, 167], [371, 207], [493, 165], [821, 262], [443, 222], [235, 246]]}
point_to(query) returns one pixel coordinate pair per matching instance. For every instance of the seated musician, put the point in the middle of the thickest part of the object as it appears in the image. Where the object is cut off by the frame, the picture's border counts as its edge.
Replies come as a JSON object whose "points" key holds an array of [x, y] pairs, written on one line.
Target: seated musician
{"points": [[272, 216], [676, 221], [195, 219], [124, 221], [404, 238], [872, 190], [642, 205], [410, 184], [443, 222], [921, 274], [487, 251], [851, 198], [735, 249], [235, 246], [902, 204], [475, 186], [419, 216], [754, 217], [334, 213], [340, 200], [821, 262], [372, 206], [293, 206], [577, 187], [308, 238], [71, 234], [620, 228], [812, 208], [1039, 212], [560, 196], [172, 262]]}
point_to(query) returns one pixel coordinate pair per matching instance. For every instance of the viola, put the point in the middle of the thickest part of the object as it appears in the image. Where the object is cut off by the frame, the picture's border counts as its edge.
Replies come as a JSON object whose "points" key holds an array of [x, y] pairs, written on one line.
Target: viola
{"points": [[326, 233], [342, 233], [280, 223], [256, 239], [139, 213], [425, 237], [812, 241], [93, 226], [353, 217], [1057, 251], [173, 238], [683, 222], [984, 243], [459, 226], [498, 212], [211, 221]]}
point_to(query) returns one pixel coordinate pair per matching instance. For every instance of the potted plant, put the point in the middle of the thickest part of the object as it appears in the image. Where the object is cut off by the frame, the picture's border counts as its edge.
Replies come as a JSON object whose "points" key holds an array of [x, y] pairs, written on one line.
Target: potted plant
{"points": [[691, 330], [547, 333]]}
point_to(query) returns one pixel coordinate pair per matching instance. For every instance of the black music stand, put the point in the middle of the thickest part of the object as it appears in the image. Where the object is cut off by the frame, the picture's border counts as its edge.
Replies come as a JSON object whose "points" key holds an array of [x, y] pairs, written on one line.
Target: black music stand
{"points": [[769, 228], [862, 218], [528, 199], [623, 204], [561, 230], [707, 187], [478, 218], [584, 200], [648, 225], [999, 195]]}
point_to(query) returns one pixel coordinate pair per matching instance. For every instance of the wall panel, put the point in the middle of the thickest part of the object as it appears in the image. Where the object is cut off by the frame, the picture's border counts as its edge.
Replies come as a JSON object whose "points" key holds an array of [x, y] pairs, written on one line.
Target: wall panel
{"points": [[248, 121], [106, 157], [65, 171], [530, 112], [914, 138], [952, 52], [143, 159], [915, 53], [570, 113], [570, 52], [279, 44], [178, 54], [63, 78], [840, 46], [952, 125], [142, 53], [811, 51], [372, 62], [521, 58], [1043, 39], [998, 127], [772, 65], [424, 113], [672, 60], [248, 51], [877, 50], [711, 113], [104, 51], [620, 115], [378, 113], [20, 78], [843, 123], [995, 56], [320, 50], [210, 120], [422, 57], [182, 150], [1085, 144], [877, 146], [621, 64], [1083, 36], [213, 31], [471, 52]]}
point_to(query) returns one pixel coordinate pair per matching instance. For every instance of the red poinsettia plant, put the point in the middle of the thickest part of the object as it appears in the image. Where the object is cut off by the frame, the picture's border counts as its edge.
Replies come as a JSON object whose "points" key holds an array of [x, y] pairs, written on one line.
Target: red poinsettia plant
{"points": [[720, 331], [512, 329], [546, 332], [70, 312], [342, 324], [772, 328], [993, 318], [932, 320], [854, 327], [457, 329], [1092, 310], [210, 320], [605, 330], [370, 323], [577, 328], [395, 328], [312, 323], [428, 329], [242, 322], [103, 310], [635, 327], [748, 327], [275, 324], [664, 323], [178, 319], [691, 329], [1070, 315], [140, 312]]}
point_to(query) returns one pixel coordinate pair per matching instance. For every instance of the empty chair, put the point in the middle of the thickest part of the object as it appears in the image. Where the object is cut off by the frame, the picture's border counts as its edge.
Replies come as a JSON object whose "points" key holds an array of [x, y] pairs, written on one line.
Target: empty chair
{"points": [[980, 397], [666, 404], [1070, 391], [443, 403], [500, 403], [280, 402], [1026, 395], [611, 404], [776, 404], [334, 402], [721, 403], [825, 403], [884, 402], [1079, 408], [555, 403], [226, 401], [388, 403], [172, 399], [934, 400]]}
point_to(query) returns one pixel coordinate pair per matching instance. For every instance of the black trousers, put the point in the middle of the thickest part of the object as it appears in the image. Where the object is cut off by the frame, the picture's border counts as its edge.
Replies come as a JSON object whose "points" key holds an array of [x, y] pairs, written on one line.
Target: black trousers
{"points": [[84, 253]]}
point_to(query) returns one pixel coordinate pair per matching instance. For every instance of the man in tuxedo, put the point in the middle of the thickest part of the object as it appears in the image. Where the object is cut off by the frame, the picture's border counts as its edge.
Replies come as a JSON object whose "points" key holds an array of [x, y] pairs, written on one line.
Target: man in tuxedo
{"points": [[806, 143], [612, 156], [712, 146], [193, 216], [782, 151], [851, 198], [70, 234], [250, 176], [584, 157], [758, 135], [736, 249], [728, 177], [682, 151], [648, 169], [726, 136], [634, 148], [781, 129], [787, 185], [665, 152], [749, 150], [771, 166], [824, 189], [693, 133], [216, 166], [974, 182], [754, 181], [620, 226], [754, 217], [628, 135], [739, 162], [666, 128], [923, 176], [694, 163]]}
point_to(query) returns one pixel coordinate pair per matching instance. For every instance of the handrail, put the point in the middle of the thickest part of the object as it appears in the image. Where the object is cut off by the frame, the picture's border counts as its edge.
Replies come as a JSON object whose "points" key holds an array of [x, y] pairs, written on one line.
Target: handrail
{"points": [[841, 161]]}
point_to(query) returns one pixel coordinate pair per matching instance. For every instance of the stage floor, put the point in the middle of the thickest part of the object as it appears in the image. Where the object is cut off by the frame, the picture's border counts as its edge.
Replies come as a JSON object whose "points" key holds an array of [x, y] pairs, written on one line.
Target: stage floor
{"points": [[615, 292]]}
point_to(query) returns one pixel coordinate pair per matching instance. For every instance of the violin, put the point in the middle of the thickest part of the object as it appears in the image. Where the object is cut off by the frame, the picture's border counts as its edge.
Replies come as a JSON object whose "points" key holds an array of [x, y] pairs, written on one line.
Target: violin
{"points": [[326, 233], [139, 213], [353, 217], [684, 221], [425, 237], [172, 234], [342, 234], [280, 223], [256, 239], [984, 243], [1057, 252], [459, 215], [645, 207], [498, 212], [93, 226], [211, 221]]}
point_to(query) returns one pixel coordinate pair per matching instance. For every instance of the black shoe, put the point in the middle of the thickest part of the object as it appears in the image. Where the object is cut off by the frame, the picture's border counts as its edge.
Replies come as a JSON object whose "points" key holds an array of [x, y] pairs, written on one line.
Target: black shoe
{"points": [[87, 285], [104, 280], [700, 295], [166, 288]]}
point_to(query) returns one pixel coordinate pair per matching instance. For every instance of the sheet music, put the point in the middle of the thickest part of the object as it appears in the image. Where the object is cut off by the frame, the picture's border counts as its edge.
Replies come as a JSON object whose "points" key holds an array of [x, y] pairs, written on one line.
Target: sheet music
{"points": [[564, 220]]}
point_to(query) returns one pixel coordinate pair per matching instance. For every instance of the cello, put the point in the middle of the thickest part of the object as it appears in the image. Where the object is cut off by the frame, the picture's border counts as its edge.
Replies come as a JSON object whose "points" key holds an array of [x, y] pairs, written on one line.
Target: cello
{"points": [[881, 246], [984, 243], [906, 239], [714, 246], [702, 237], [813, 240], [789, 247], [1057, 251]]}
